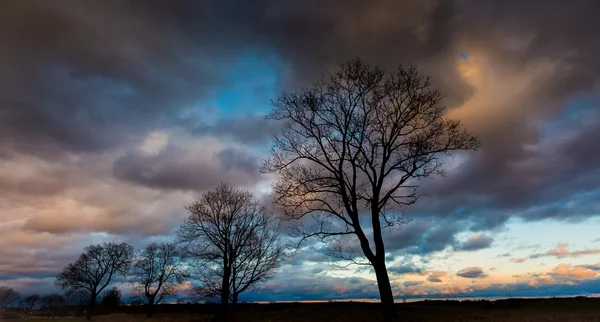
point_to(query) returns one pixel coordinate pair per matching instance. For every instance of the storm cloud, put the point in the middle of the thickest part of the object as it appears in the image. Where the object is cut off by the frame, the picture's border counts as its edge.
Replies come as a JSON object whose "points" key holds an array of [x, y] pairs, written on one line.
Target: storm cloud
{"points": [[114, 115]]}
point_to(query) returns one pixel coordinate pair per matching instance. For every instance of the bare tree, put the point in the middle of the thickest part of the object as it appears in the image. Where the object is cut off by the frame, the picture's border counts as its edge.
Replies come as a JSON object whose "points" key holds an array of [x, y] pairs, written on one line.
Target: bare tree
{"points": [[52, 302], [158, 271], [94, 270], [350, 154], [30, 301], [8, 296], [234, 243]]}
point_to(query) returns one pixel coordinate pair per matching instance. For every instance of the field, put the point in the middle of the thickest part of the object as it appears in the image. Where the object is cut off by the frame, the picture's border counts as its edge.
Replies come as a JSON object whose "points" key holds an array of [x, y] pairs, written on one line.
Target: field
{"points": [[516, 310]]}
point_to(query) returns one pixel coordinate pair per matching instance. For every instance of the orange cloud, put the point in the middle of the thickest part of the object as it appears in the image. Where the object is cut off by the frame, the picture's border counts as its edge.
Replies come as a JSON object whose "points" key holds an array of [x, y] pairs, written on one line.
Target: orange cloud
{"points": [[436, 276], [544, 280], [562, 250], [578, 272]]}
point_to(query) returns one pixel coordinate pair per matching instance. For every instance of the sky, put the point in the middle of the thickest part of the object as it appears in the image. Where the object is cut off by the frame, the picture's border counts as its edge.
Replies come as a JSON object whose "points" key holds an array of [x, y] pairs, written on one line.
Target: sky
{"points": [[114, 115]]}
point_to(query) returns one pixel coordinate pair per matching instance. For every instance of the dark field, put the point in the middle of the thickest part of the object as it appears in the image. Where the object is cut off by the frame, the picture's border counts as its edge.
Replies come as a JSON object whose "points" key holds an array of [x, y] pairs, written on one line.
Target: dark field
{"points": [[514, 310]]}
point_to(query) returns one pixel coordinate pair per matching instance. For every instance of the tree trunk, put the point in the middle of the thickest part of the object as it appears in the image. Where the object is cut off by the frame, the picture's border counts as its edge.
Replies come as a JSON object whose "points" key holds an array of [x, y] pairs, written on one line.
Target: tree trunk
{"points": [[234, 301], [385, 288], [88, 315], [150, 308], [225, 292]]}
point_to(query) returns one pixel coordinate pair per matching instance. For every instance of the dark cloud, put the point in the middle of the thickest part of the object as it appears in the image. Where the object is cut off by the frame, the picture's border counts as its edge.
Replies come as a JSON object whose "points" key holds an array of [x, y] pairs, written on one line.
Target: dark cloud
{"points": [[476, 242], [434, 279], [436, 276], [412, 283], [87, 77], [595, 267], [245, 128], [425, 235], [232, 159], [113, 69], [402, 269], [189, 167], [471, 272]]}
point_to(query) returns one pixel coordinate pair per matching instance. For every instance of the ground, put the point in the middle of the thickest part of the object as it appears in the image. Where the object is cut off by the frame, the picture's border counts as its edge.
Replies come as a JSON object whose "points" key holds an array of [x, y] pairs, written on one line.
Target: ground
{"points": [[564, 310]]}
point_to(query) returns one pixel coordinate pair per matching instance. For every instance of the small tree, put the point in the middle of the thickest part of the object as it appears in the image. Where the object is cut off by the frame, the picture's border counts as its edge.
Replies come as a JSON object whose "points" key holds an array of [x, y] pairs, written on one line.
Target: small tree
{"points": [[234, 243], [8, 296], [30, 301], [158, 271], [94, 270], [350, 154], [52, 302], [111, 299]]}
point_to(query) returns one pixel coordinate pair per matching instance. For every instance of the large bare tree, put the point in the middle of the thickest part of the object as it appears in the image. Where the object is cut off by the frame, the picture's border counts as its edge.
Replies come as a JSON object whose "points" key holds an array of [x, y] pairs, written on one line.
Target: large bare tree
{"points": [[158, 271], [350, 154], [233, 242], [8, 296], [94, 270]]}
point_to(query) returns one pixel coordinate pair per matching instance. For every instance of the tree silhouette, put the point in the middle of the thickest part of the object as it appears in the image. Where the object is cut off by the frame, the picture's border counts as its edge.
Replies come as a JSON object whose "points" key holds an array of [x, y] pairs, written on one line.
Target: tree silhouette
{"points": [[8, 296], [233, 242], [111, 299], [30, 302], [158, 271], [52, 302], [94, 269], [350, 154], [79, 297]]}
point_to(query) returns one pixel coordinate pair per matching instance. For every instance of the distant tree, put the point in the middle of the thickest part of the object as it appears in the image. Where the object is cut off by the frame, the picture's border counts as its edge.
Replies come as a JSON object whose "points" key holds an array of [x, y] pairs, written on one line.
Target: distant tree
{"points": [[350, 154], [157, 273], [79, 297], [111, 299], [52, 302], [30, 301], [94, 269], [8, 296], [234, 244]]}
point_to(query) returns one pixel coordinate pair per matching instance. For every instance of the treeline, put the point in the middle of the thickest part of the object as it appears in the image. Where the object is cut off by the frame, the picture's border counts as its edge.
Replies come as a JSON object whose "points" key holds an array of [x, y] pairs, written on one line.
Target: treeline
{"points": [[227, 245], [56, 304]]}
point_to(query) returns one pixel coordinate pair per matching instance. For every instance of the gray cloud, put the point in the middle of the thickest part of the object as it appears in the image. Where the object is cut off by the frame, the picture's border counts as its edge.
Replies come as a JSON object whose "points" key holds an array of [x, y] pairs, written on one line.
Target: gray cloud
{"points": [[412, 283], [189, 166], [245, 128], [436, 276], [471, 272], [595, 267], [402, 269], [476, 242]]}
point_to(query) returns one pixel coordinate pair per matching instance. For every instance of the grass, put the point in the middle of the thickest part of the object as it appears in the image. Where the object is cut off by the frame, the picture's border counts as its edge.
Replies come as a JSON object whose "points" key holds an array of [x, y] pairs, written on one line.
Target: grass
{"points": [[550, 310]]}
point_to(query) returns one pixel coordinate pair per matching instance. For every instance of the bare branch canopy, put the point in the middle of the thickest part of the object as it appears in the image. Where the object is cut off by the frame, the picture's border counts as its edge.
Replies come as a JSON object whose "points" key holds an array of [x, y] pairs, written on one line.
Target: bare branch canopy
{"points": [[232, 242], [93, 271], [158, 271], [352, 150]]}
